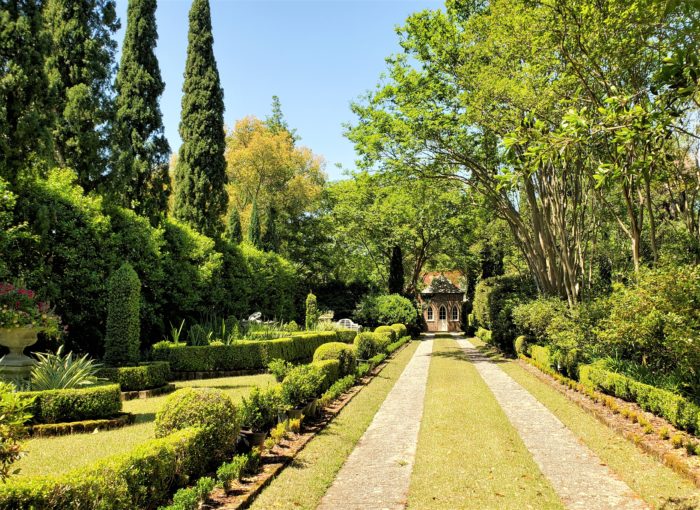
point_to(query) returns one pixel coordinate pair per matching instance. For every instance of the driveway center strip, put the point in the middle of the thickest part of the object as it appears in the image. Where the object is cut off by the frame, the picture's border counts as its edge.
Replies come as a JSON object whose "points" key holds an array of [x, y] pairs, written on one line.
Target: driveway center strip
{"points": [[377, 473], [577, 475]]}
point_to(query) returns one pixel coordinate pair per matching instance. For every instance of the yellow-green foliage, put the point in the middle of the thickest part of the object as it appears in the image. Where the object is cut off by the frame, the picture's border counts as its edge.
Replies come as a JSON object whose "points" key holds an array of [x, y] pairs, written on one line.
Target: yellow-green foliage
{"points": [[389, 331]]}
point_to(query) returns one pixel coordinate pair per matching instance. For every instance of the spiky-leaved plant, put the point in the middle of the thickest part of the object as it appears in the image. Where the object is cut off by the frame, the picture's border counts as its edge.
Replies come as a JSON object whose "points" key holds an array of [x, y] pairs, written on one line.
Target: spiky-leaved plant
{"points": [[57, 372]]}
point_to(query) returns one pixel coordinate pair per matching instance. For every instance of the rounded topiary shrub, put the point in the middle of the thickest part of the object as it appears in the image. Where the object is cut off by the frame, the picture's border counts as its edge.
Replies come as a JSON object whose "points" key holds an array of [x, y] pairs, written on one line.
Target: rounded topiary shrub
{"points": [[387, 330], [344, 353], [365, 345], [521, 345], [206, 408], [123, 337], [400, 329]]}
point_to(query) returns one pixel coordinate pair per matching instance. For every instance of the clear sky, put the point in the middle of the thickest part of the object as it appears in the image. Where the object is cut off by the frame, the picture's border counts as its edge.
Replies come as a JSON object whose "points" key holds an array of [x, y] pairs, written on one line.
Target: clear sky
{"points": [[316, 55]]}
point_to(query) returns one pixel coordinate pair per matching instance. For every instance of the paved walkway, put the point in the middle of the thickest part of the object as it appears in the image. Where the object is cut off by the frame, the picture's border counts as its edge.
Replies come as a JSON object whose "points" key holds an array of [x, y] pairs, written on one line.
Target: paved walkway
{"points": [[577, 475], [377, 473]]}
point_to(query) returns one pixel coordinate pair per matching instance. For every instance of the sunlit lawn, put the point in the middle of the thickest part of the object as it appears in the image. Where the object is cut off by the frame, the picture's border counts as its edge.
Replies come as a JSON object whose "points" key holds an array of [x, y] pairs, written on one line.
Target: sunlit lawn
{"points": [[54, 455]]}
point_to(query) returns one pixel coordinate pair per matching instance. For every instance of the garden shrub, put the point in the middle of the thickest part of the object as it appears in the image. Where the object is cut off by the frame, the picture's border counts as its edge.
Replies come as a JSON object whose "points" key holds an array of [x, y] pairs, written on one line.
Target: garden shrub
{"points": [[400, 329], [494, 301], [651, 321], [231, 471], [302, 384], [387, 330], [520, 345], [377, 359], [382, 340], [14, 413], [680, 411], [534, 317], [207, 408], [386, 309], [365, 345], [346, 336], [279, 368], [59, 372], [143, 478], [57, 406], [541, 355], [146, 376], [337, 389], [393, 347], [484, 335], [312, 312], [242, 355], [191, 498], [330, 373], [259, 409], [344, 353]]}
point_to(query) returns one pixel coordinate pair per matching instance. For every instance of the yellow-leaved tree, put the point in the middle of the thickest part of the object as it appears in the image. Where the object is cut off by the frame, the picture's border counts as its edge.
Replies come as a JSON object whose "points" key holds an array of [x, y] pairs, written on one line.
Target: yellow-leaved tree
{"points": [[265, 166]]}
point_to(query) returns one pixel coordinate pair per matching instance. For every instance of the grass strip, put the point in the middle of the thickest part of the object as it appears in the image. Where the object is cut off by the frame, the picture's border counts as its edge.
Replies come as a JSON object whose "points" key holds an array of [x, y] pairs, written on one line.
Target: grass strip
{"points": [[57, 455], [469, 455], [304, 482], [655, 483]]}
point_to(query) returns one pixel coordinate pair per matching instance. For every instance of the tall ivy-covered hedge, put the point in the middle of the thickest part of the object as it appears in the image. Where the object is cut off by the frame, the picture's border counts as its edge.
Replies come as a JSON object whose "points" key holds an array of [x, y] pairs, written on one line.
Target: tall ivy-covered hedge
{"points": [[72, 242], [123, 337]]}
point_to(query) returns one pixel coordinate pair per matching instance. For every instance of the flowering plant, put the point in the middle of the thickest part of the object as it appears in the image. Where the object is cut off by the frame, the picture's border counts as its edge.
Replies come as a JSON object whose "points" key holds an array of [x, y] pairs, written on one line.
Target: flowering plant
{"points": [[19, 307]]}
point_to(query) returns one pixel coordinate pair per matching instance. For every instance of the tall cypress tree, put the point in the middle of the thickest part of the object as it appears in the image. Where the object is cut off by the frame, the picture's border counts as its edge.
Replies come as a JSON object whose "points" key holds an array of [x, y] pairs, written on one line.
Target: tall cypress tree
{"points": [[254, 226], [270, 240], [140, 178], [396, 276], [234, 233], [80, 69], [24, 113], [200, 174]]}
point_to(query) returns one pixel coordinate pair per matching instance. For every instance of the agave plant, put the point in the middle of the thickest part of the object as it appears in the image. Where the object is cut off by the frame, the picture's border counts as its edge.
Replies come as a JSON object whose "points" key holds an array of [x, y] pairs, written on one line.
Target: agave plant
{"points": [[56, 371]]}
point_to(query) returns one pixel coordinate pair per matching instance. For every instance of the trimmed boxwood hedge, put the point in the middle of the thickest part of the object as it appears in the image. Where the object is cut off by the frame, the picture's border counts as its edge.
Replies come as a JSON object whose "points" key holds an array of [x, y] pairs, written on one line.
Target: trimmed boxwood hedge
{"points": [[143, 377], [388, 330], [58, 406], [242, 355], [143, 478], [541, 355], [343, 353], [681, 412]]}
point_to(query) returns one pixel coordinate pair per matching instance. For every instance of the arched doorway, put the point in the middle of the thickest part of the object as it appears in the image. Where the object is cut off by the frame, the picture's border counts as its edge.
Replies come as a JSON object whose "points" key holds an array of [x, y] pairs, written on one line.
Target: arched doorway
{"points": [[442, 316]]}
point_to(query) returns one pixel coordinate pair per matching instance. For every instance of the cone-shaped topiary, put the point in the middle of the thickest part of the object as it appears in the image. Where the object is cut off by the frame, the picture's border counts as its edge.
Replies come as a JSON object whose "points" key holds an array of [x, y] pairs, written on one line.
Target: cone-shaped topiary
{"points": [[123, 340], [234, 233], [254, 227], [311, 312]]}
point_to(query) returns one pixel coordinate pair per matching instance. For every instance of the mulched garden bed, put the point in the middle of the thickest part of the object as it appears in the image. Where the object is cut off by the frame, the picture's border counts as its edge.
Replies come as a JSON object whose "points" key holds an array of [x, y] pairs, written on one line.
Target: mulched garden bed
{"points": [[646, 438], [274, 461]]}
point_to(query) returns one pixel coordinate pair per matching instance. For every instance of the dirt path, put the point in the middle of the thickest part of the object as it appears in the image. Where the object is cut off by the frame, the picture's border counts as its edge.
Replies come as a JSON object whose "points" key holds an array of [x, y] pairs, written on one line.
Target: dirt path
{"points": [[377, 473]]}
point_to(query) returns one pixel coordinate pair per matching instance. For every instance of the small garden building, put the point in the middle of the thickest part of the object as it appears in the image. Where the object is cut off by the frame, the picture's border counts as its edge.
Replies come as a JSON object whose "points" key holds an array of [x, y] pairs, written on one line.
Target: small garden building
{"points": [[441, 301]]}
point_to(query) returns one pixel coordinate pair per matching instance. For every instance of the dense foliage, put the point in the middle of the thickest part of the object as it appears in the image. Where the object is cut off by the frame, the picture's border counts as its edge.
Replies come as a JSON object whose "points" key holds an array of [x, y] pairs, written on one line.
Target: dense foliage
{"points": [[123, 336], [386, 309], [200, 173]]}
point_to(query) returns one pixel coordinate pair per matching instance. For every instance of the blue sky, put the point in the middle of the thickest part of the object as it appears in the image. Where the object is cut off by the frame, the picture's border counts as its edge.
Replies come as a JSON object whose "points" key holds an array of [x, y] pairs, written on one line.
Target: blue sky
{"points": [[316, 55]]}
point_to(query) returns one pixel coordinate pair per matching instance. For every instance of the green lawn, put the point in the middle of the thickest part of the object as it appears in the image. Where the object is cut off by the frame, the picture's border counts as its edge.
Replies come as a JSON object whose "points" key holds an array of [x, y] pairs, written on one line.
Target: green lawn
{"points": [[469, 455], [54, 455], [653, 481], [302, 484]]}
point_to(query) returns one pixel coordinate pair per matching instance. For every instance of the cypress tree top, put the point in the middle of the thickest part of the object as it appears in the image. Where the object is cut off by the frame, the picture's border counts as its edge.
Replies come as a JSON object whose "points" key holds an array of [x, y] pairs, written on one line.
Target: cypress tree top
{"points": [[140, 178], [200, 174]]}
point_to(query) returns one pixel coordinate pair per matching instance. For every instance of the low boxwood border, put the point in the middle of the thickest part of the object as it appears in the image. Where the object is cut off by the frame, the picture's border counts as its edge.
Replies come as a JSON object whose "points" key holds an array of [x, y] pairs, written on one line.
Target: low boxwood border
{"points": [[143, 377], [142, 478], [679, 411], [76, 427], [60, 406], [244, 354]]}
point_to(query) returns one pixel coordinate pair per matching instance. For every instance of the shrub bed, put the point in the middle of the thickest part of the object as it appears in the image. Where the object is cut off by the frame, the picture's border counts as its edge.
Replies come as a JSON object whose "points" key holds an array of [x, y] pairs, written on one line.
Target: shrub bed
{"points": [[679, 411], [242, 355], [143, 377], [387, 330], [75, 427], [57, 406], [142, 478], [393, 347]]}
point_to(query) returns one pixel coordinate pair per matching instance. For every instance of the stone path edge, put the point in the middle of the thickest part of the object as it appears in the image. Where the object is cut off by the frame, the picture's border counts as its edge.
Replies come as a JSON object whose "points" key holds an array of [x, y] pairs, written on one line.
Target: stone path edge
{"points": [[595, 485], [245, 500], [667, 458]]}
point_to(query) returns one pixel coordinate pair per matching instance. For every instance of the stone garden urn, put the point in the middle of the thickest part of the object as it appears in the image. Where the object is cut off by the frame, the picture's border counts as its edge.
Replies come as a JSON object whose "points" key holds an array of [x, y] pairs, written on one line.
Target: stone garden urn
{"points": [[16, 364]]}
